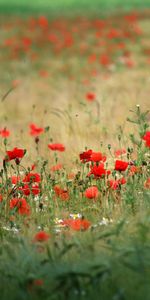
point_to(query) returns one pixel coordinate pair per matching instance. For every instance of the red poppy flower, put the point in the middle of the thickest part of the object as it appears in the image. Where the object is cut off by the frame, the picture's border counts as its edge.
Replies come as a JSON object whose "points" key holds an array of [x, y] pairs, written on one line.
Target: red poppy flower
{"points": [[21, 204], [61, 193], [41, 236], [26, 189], [5, 133], [35, 131], [43, 22], [15, 179], [77, 224], [1, 198], [146, 138], [38, 282], [147, 183], [97, 156], [56, 147], [114, 184], [85, 156], [15, 153], [120, 152], [56, 167], [121, 165], [91, 192], [32, 177], [90, 97], [99, 171]]}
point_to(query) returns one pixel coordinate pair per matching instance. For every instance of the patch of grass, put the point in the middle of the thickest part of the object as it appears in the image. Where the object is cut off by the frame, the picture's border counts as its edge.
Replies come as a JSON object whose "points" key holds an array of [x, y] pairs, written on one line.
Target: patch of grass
{"points": [[70, 6]]}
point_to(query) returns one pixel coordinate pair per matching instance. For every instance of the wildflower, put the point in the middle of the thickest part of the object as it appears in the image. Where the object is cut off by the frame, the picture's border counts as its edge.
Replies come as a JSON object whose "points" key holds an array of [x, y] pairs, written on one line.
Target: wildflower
{"points": [[15, 179], [121, 165], [35, 131], [147, 183], [56, 147], [21, 205], [85, 156], [120, 152], [90, 97], [61, 193], [99, 170], [32, 177], [97, 157], [5, 133], [41, 236], [91, 192], [16, 153], [146, 138], [56, 167], [77, 224], [115, 184]]}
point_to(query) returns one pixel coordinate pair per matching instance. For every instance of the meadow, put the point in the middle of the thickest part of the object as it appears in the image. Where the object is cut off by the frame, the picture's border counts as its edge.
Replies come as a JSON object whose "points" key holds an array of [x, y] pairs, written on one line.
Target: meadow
{"points": [[75, 150]]}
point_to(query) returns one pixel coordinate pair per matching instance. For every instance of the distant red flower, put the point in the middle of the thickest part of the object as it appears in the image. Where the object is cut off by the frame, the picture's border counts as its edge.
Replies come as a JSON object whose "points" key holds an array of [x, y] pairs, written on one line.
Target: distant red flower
{"points": [[56, 167], [43, 22], [41, 236], [91, 192], [21, 204], [77, 224], [104, 60], [5, 133], [35, 131], [115, 184], [1, 198], [120, 152], [43, 73], [38, 282], [56, 147], [15, 153], [146, 138], [134, 170], [15, 179], [147, 183], [27, 189], [61, 193], [121, 165], [90, 97]]}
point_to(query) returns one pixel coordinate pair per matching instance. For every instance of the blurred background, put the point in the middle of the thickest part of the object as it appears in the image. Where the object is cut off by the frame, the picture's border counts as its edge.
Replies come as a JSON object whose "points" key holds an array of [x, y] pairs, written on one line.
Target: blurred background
{"points": [[76, 66]]}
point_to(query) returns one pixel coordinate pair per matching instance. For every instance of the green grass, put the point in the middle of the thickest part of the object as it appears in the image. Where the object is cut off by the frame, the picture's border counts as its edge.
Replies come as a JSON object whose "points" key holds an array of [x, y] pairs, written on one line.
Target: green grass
{"points": [[74, 6]]}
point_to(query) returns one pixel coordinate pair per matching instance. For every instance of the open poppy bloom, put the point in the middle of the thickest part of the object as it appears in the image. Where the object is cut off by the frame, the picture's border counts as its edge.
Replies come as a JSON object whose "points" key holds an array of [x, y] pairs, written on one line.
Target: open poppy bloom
{"points": [[115, 184], [91, 192], [15, 153], [61, 193], [32, 177], [121, 165], [41, 236], [35, 131], [77, 224], [146, 138], [90, 97], [120, 152], [56, 167], [5, 133], [56, 147], [99, 170], [90, 155], [86, 155], [21, 205]]}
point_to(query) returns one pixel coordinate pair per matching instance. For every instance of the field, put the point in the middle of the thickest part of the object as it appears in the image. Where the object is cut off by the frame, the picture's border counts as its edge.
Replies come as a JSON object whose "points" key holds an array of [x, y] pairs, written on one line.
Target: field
{"points": [[75, 150]]}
